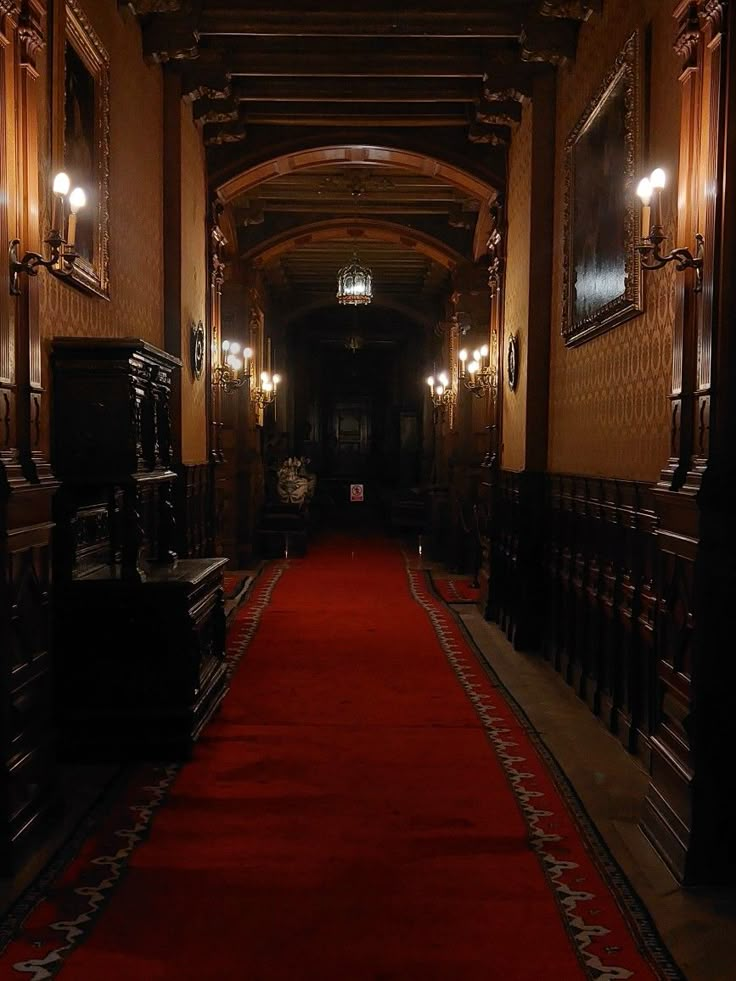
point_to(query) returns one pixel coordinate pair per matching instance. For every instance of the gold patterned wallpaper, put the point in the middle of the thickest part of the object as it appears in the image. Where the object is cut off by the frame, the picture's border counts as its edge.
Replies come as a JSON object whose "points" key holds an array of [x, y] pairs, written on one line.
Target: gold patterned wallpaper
{"points": [[516, 296], [135, 307], [193, 285], [609, 412]]}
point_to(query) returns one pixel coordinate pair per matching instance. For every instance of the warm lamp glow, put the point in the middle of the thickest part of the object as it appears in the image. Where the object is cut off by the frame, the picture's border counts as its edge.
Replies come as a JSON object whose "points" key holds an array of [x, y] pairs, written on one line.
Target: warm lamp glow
{"points": [[77, 200], [658, 179], [463, 355], [62, 183], [644, 190], [276, 379]]}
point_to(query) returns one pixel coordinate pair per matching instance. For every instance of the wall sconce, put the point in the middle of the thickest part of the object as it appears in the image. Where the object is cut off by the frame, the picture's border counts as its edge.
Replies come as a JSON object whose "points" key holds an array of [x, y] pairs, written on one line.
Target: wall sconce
{"points": [[477, 375], [60, 239], [440, 391], [267, 390], [652, 232], [233, 371]]}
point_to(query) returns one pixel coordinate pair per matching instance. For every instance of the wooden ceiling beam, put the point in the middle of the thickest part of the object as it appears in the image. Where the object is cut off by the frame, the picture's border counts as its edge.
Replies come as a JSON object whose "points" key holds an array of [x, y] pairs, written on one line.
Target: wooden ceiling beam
{"points": [[343, 120], [296, 19], [351, 91], [355, 57], [339, 65]]}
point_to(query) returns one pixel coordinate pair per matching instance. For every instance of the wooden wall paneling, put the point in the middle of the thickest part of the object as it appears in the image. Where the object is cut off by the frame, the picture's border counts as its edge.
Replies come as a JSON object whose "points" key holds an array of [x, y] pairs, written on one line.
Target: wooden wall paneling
{"points": [[687, 814], [8, 225]]}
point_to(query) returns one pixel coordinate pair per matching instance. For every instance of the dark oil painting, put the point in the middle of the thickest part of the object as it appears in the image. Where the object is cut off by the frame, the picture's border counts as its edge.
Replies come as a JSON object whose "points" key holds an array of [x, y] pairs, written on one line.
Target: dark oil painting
{"points": [[599, 208], [79, 143]]}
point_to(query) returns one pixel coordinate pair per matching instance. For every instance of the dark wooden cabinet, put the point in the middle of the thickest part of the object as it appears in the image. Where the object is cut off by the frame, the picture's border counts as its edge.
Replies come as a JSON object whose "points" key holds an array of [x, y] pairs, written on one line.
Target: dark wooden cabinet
{"points": [[140, 635], [27, 785], [141, 668]]}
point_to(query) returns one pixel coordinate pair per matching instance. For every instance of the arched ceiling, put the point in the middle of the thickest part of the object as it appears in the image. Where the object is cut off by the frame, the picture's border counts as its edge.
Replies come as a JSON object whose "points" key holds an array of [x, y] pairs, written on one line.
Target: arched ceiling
{"points": [[316, 111]]}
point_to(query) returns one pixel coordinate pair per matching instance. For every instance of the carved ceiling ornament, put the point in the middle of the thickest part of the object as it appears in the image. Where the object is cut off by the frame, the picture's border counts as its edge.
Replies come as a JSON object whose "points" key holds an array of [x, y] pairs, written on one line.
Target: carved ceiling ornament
{"points": [[30, 33], [494, 247], [687, 40], [232, 132], [10, 8], [170, 37], [713, 12], [570, 9], [218, 242], [143, 7]]}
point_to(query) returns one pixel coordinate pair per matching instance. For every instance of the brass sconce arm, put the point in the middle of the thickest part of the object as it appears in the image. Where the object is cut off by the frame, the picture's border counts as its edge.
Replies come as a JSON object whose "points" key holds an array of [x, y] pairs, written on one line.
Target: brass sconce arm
{"points": [[224, 377], [60, 260], [652, 257]]}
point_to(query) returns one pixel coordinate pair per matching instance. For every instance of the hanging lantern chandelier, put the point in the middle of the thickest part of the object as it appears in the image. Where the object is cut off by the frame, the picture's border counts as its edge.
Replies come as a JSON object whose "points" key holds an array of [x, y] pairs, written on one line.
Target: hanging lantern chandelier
{"points": [[354, 284]]}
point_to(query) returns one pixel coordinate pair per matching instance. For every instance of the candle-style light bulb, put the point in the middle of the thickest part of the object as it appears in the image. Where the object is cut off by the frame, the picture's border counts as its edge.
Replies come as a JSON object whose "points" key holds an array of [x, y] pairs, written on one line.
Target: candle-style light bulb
{"points": [[247, 354], [264, 376], [276, 379], [61, 189], [440, 389], [235, 348], [62, 183], [236, 364], [484, 351], [473, 367], [226, 345], [644, 190], [444, 378], [430, 381], [644, 193], [77, 200], [658, 179], [463, 355], [267, 387]]}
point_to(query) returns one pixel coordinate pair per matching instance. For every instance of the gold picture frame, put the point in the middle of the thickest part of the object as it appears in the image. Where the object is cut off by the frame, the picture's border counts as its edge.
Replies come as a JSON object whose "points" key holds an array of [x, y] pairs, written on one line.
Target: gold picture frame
{"points": [[81, 136], [602, 280]]}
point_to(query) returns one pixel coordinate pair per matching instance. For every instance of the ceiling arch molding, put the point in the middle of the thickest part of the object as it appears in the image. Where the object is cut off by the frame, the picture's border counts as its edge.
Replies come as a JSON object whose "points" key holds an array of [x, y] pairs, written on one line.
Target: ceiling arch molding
{"points": [[481, 186], [357, 230]]}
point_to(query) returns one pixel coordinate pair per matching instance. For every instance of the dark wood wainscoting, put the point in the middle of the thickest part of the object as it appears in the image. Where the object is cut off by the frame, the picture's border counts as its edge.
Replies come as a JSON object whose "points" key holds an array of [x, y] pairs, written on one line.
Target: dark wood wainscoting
{"points": [[599, 616], [572, 573]]}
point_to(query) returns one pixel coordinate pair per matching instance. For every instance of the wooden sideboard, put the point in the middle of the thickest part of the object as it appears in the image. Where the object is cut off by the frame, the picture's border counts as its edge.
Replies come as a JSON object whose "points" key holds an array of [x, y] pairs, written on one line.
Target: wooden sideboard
{"points": [[139, 634]]}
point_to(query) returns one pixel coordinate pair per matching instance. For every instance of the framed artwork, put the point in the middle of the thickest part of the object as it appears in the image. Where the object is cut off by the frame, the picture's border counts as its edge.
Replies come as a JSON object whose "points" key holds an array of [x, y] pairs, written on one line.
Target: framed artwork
{"points": [[601, 273], [81, 136]]}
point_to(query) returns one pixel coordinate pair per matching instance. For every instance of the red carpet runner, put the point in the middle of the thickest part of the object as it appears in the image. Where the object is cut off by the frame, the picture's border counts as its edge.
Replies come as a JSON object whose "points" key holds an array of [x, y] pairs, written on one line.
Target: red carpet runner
{"points": [[366, 807]]}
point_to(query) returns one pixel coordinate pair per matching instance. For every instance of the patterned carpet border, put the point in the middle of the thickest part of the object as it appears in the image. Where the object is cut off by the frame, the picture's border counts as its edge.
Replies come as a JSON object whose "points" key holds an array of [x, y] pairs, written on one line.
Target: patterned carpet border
{"points": [[78, 882], [446, 588], [560, 873]]}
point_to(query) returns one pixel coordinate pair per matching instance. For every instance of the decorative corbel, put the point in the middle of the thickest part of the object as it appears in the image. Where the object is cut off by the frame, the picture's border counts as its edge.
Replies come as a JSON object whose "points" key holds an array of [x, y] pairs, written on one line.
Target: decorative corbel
{"points": [[551, 40], [232, 132], [570, 9], [170, 37]]}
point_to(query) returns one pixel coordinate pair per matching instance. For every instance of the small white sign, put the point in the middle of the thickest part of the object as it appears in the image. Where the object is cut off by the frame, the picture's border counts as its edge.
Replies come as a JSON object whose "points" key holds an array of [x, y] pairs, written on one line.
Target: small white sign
{"points": [[356, 492]]}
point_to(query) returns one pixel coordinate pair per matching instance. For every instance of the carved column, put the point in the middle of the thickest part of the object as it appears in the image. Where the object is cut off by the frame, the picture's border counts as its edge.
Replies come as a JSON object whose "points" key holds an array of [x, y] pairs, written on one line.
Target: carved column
{"points": [[687, 813]]}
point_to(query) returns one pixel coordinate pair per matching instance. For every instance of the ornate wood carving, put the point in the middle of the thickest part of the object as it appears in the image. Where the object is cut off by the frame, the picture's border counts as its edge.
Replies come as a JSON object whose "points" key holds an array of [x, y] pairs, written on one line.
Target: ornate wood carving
{"points": [[489, 135], [571, 9], [499, 112], [170, 37], [551, 40], [234, 132]]}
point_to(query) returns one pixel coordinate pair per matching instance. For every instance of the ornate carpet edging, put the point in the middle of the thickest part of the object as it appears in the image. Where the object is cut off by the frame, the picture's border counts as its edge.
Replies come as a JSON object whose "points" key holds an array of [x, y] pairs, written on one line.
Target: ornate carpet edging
{"points": [[597, 942], [58, 910], [446, 588]]}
